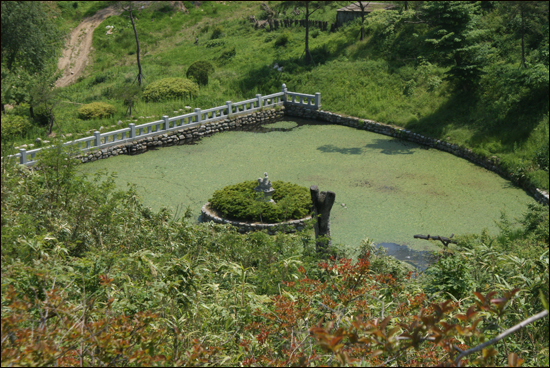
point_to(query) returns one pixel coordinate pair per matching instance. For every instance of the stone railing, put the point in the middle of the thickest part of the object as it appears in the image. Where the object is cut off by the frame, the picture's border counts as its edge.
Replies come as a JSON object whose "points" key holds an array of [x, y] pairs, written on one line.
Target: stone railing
{"points": [[168, 124]]}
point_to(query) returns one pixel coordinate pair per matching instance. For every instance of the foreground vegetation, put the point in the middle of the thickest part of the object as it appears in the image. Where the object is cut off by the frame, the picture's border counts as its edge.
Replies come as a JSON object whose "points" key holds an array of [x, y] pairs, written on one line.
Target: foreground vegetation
{"points": [[90, 276]]}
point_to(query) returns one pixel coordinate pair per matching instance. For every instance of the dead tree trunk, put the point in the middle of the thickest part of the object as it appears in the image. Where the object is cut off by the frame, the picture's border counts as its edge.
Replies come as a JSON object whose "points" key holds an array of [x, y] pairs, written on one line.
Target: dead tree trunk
{"points": [[322, 204], [140, 75]]}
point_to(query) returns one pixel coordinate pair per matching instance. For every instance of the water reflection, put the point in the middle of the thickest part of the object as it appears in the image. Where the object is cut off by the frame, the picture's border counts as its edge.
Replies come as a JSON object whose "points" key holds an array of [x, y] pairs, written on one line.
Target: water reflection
{"points": [[419, 259]]}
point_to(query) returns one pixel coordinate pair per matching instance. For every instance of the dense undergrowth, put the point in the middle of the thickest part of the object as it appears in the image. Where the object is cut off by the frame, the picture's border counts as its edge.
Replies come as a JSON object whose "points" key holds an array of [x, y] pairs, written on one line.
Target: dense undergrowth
{"points": [[400, 74], [90, 276]]}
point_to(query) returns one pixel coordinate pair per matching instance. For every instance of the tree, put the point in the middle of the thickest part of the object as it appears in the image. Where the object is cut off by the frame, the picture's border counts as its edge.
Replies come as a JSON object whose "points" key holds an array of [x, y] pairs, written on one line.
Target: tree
{"points": [[29, 37], [363, 6], [455, 39], [30, 41], [130, 7], [310, 7], [532, 15], [43, 94]]}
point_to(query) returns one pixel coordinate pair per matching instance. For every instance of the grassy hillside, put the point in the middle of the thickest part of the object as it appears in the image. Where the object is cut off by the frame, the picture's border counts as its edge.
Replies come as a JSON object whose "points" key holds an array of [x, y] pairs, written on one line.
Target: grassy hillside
{"points": [[384, 78]]}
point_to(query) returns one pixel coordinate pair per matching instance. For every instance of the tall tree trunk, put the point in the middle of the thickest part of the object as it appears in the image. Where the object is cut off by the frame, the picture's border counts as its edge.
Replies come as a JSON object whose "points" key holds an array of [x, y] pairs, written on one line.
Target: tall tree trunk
{"points": [[307, 54], [31, 111], [362, 25], [522, 37], [322, 204], [137, 51]]}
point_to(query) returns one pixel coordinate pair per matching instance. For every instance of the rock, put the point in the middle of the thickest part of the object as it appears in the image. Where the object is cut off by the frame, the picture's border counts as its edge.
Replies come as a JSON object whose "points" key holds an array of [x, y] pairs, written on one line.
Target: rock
{"points": [[68, 135], [38, 140], [101, 128], [113, 126], [23, 146], [51, 135], [119, 122], [45, 142]]}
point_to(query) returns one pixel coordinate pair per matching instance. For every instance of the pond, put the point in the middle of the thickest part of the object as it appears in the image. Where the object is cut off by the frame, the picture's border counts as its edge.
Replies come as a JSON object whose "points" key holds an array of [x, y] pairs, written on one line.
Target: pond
{"points": [[386, 189]]}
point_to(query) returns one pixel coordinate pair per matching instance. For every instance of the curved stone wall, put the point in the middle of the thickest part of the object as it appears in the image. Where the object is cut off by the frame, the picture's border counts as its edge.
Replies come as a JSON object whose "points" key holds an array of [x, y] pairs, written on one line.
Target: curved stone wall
{"points": [[243, 227]]}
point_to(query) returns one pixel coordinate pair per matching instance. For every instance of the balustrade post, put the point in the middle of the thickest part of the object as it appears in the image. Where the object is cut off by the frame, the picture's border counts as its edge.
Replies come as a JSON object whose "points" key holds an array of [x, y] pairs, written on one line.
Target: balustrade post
{"points": [[23, 158], [198, 115], [259, 97], [317, 100], [132, 127], [229, 107], [284, 91], [97, 136], [166, 122]]}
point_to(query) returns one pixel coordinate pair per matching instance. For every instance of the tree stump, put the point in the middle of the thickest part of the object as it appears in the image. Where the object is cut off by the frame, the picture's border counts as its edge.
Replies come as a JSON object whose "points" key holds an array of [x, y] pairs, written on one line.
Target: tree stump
{"points": [[322, 204]]}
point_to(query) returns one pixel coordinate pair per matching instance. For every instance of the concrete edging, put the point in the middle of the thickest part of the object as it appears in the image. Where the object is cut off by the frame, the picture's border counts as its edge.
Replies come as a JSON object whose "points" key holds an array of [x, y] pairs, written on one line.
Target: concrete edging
{"points": [[243, 227]]}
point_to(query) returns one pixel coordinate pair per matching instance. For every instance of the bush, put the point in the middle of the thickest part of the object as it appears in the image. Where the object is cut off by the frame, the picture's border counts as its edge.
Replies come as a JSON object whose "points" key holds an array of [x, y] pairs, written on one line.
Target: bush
{"points": [[239, 202], [41, 115], [217, 32], [13, 126], [214, 43], [283, 39], [170, 88], [227, 54], [199, 71], [96, 110]]}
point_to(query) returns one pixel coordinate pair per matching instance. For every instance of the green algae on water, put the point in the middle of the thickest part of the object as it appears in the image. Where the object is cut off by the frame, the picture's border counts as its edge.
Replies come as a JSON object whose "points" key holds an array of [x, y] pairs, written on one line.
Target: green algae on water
{"points": [[386, 189]]}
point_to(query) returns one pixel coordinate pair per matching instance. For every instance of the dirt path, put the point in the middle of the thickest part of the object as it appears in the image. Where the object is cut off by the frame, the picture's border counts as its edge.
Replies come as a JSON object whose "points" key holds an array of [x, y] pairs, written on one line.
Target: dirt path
{"points": [[77, 48]]}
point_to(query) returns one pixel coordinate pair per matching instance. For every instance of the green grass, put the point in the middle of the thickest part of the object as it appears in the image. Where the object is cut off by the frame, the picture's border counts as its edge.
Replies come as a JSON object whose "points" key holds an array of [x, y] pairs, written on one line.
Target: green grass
{"points": [[355, 78]]}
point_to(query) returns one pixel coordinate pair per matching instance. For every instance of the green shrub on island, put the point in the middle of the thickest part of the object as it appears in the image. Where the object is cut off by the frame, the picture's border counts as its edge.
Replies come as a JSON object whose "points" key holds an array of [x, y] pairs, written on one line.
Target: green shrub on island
{"points": [[96, 110], [170, 88], [239, 202]]}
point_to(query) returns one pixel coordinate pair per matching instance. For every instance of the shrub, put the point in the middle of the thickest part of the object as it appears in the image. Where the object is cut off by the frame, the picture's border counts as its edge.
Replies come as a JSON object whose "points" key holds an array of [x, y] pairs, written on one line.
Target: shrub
{"points": [[283, 39], [227, 54], [214, 43], [96, 110], [217, 32], [13, 125], [315, 33], [41, 115], [199, 71], [170, 88], [239, 202], [451, 274]]}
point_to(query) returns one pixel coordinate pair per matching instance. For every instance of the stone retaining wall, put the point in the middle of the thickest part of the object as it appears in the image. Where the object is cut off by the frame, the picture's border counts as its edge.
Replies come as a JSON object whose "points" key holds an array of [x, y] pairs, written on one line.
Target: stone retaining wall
{"points": [[492, 163], [243, 227], [185, 135]]}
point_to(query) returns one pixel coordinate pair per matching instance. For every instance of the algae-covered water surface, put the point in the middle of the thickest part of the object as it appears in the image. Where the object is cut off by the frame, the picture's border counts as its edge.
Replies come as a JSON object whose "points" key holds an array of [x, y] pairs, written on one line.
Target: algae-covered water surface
{"points": [[386, 189]]}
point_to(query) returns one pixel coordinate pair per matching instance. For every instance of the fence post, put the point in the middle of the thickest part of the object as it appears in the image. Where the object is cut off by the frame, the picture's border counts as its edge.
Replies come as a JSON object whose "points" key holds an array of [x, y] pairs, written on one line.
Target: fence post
{"points": [[198, 115], [259, 97], [166, 122], [23, 158], [317, 100], [97, 136], [229, 107], [284, 91], [132, 127]]}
